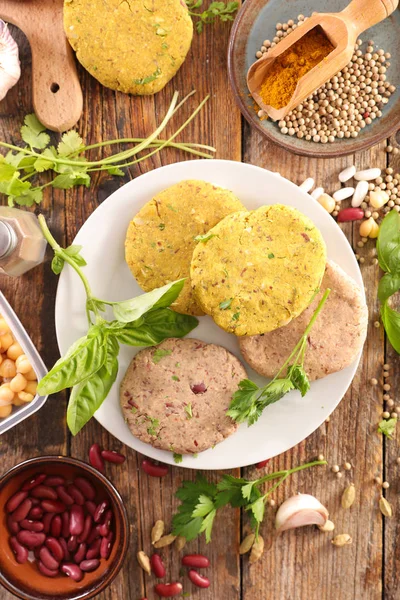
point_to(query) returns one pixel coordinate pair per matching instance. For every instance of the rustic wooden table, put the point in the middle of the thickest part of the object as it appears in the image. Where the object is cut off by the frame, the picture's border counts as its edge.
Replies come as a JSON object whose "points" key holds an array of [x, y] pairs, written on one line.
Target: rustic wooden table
{"points": [[302, 564]]}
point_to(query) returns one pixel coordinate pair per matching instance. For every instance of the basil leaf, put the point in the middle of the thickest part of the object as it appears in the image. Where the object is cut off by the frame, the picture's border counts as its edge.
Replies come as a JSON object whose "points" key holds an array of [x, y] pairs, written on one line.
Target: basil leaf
{"points": [[89, 395], [84, 358], [391, 322], [131, 310], [388, 285], [388, 243], [155, 327]]}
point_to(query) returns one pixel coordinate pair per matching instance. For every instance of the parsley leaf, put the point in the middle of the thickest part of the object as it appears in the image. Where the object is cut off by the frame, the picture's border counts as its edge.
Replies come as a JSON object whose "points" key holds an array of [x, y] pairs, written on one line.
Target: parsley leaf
{"points": [[225, 304], [149, 78], [188, 410], [223, 11], [271, 255], [159, 354], [177, 458], [387, 427], [205, 237]]}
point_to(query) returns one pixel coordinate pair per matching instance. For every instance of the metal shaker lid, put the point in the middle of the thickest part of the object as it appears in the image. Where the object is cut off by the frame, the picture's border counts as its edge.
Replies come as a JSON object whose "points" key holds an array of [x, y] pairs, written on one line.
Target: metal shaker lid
{"points": [[8, 239]]}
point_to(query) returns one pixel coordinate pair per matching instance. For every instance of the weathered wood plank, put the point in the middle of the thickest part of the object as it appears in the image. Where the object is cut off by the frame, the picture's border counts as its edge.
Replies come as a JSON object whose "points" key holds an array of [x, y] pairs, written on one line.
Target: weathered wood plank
{"points": [[303, 564]]}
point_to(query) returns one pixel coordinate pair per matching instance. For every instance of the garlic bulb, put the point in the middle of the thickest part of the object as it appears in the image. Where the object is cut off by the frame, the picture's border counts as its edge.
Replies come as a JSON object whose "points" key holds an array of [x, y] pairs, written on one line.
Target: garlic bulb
{"points": [[10, 70], [300, 510]]}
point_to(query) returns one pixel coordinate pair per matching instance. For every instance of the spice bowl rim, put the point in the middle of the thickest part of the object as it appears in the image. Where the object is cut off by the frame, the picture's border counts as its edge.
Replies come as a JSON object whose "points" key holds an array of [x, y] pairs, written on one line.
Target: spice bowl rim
{"points": [[115, 496]]}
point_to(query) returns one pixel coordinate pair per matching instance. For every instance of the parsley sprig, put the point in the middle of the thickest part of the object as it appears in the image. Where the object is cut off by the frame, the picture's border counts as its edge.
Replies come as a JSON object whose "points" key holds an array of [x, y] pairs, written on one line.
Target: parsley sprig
{"points": [[201, 500], [224, 11], [249, 401], [21, 166]]}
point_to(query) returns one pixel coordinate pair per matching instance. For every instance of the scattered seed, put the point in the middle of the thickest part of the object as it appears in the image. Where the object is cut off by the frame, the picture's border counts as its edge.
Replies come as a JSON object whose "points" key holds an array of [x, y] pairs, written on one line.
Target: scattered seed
{"points": [[386, 387], [386, 367], [335, 469], [329, 526], [343, 539], [394, 415], [378, 480], [398, 460], [347, 466], [321, 457], [385, 507], [385, 485], [247, 543], [386, 415], [166, 540], [180, 542], [339, 475], [377, 324], [349, 495], [144, 561], [257, 550], [157, 531], [373, 381], [272, 502]]}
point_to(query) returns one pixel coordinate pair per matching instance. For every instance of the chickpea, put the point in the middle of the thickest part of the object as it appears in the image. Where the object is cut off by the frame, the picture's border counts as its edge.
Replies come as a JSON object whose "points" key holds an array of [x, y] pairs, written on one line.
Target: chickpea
{"points": [[25, 397], [5, 411], [6, 341], [23, 365], [31, 387], [18, 383], [30, 375], [4, 328], [7, 368], [14, 351], [17, 401], [6, 395]]}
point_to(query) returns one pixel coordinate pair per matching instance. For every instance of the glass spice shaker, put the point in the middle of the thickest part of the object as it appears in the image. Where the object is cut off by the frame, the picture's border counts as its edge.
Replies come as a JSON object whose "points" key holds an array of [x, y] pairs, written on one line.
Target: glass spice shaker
{"points": [[22, 245]]}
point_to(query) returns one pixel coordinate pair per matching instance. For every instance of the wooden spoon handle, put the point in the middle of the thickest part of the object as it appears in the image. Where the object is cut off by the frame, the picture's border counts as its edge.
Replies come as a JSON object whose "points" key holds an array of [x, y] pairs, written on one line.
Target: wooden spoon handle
{"points": [[365, 13]]}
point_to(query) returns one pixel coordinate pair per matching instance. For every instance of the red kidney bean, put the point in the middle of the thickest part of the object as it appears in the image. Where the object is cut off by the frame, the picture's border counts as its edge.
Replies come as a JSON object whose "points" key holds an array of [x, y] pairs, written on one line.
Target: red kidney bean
{"points": [[80, 553], [350, 214], [94, 534], [15, 501], [54, 480], [47, 572], [95, 458], [64, 496], [65, 524], [262, 463], [47, 520], [22, 511], [76, 494], [72, 571], [55, 548], [195, 560], [32, 482], [77, 519], [86, 529], [85, 487], [35, 501], [53, 506], [44, 491], [157, 566], [35, 513], [90, 507], [100, 511], [48, 559], [199, 580], [89, 565], [113, 457], [168, 590], [63, 545], [153, 469], [32, 525], [56, 526], [94, 549], [72, 543], [12, 525], [106, 545], [21, 553], [30, 538], [105, 526]]}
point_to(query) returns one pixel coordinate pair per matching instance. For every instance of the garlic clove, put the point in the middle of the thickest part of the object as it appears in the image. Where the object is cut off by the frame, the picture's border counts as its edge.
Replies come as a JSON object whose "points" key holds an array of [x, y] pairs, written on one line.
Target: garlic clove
{"points": [[10, 70], [299, 511]]}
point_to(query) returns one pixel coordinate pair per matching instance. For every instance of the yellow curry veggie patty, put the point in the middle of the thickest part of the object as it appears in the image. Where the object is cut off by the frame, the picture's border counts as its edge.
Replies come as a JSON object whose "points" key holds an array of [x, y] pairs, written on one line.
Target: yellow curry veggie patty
{"points": [[135, 46], [259, 270], [161, 237]]}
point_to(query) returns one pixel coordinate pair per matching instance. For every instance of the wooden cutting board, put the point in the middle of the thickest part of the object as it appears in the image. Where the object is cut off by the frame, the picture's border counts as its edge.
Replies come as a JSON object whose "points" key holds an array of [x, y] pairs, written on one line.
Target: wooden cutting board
{"points": [[57, 94]]}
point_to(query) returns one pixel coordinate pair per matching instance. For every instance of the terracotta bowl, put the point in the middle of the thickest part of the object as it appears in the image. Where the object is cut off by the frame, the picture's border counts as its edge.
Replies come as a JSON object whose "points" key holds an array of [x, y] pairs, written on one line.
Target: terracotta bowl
{"points": [[25, 580]]}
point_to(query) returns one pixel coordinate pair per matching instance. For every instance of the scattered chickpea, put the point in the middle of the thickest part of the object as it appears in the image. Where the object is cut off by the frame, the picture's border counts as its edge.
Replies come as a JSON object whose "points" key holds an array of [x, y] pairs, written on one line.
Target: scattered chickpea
{"points": [[385, 485]]}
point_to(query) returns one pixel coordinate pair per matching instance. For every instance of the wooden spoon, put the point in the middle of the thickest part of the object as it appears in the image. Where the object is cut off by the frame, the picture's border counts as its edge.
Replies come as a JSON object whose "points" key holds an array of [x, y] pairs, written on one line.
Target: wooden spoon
{"points": [[342, 29], [57, 94]]}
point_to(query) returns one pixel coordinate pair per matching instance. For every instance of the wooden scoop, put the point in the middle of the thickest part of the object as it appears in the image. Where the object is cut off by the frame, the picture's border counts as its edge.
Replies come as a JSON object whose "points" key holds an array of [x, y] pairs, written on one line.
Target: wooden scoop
{"points": [[342, 29], [57, 94]]}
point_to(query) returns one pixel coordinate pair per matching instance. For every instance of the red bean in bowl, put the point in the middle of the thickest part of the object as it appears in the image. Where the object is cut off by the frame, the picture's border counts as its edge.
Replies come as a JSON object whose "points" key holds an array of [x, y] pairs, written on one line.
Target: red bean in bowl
{"points": [[85, 487], [15, 501], [34, 481], [87, 566]]}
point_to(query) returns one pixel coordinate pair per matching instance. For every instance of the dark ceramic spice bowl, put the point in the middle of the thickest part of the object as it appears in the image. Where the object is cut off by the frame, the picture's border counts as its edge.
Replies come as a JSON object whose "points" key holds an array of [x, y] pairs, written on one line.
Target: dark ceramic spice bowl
{"points": [[25, 580]]}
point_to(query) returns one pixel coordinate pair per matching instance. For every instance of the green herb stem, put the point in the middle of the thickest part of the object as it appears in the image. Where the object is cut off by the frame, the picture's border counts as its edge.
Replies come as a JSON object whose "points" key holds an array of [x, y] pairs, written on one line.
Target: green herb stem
{"points": [[288, 472]]}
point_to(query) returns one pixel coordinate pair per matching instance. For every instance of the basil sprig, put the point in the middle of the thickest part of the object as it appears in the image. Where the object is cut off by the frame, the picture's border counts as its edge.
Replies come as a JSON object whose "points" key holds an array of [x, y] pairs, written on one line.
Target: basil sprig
{"points": [[388, 247], [90, 366]]}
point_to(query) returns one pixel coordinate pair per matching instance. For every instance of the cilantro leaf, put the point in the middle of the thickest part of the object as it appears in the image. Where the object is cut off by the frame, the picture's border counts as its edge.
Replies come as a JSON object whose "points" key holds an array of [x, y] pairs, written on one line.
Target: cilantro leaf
{"points": [[32, 133], [217, 10], [115, 171], [71, 142], [66, 181], [387, 427], [178, 458]]}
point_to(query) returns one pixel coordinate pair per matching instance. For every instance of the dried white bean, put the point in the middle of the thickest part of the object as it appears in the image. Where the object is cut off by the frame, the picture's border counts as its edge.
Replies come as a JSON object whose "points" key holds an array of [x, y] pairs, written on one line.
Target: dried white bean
{"points": [[307, 185], [343, 193], [347, 174], [367, 174], [360, 193], [317, 193]]}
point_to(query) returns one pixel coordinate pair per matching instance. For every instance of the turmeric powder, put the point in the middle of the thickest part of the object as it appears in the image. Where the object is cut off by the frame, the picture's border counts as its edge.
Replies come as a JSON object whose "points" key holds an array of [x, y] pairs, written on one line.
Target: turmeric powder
{"points": [[291, 65]]}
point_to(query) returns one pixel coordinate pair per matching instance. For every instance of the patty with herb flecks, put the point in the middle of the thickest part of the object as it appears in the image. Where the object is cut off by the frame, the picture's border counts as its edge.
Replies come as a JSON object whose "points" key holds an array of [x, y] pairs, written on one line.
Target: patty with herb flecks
{"points": [[259, 269], [174, 396], [134, 46], [162, 236]]}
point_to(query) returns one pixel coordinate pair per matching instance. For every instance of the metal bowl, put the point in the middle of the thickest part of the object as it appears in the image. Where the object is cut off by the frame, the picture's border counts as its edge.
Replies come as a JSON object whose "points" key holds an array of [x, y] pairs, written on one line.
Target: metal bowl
{"points": [[256, 22]]}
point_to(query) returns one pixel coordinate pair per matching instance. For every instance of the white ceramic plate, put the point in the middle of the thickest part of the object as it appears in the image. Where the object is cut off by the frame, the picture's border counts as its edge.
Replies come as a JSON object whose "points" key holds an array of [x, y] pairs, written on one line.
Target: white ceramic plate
{"points": [[283, 424]]}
